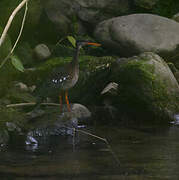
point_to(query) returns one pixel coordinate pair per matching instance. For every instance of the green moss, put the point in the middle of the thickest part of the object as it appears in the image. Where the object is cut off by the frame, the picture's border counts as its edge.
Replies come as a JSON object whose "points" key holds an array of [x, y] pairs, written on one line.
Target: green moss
{"points": [[166, 8]]}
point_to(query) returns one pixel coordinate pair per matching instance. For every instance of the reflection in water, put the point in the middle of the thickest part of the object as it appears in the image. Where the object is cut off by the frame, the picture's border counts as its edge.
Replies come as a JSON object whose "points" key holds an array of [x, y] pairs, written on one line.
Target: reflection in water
{"points": [[144, 153]]}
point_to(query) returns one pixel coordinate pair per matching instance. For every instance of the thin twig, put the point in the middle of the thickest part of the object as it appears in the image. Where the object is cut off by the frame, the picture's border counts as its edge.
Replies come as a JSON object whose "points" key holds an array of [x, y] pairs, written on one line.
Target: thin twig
{"points": [[105, 140], [22, 27], [3, 36], [31, 104]]}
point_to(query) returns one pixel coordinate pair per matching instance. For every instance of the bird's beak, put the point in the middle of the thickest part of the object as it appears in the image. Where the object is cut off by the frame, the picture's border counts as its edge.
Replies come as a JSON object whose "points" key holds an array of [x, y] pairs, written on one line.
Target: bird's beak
{"points": [[93, 44]]}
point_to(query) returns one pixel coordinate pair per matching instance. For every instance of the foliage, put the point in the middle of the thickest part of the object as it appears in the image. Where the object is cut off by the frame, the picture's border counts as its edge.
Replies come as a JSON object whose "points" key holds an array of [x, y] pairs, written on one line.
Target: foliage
{"points": [[17, 63], [163, 8], [72, 40]]}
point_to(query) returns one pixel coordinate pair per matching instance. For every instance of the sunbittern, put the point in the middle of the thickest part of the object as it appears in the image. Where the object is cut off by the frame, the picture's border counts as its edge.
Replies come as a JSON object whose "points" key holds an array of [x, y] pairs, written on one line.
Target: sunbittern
{"points": [[64, 78]]}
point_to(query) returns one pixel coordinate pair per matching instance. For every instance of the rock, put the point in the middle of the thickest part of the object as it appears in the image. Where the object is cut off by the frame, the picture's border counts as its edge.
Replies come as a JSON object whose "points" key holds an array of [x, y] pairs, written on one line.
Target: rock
{"points": [[80, 111], [133, 34], [176, 17], [19, 92], [110, 89], [148, 88], [42, 52], [22, 86], [109, 92], [66, 15], [13, 127], [58, 124], [94, 12]]}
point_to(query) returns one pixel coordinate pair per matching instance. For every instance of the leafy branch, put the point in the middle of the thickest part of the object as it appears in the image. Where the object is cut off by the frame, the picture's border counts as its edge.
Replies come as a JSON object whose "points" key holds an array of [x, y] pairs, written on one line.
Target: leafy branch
{"points": [[18, 65]]}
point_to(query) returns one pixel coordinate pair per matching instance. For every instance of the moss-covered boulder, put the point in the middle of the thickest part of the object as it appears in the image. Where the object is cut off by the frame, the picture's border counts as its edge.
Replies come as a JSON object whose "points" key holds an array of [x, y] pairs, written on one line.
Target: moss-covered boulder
{"points": [[148, 89]]}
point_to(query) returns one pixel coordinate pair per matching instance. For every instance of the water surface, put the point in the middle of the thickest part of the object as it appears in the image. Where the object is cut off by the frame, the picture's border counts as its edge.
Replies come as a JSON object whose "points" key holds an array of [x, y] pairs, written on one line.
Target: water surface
{"points": [[144, 153]]}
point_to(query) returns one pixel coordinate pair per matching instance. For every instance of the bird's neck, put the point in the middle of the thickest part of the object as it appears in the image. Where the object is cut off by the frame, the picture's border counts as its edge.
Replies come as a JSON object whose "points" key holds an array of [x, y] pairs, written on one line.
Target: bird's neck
{"points": [[74, 61]]}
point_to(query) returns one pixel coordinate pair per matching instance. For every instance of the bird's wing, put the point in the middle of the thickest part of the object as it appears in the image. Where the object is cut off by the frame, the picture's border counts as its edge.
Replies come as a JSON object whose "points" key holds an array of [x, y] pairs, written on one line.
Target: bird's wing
{"points": [[59, 78]]}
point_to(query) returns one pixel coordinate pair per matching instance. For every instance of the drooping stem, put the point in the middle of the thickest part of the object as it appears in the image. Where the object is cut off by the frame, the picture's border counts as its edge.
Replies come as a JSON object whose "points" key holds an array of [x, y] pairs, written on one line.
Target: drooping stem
{"points": [[3, 36], [10, 20]]}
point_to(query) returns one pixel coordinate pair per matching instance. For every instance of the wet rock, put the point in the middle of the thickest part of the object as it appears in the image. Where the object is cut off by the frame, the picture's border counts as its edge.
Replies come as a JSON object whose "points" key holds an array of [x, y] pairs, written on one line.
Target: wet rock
{"points": [[12, 127], [127, 35], [79, 114], [54, 123], [42, 52]]}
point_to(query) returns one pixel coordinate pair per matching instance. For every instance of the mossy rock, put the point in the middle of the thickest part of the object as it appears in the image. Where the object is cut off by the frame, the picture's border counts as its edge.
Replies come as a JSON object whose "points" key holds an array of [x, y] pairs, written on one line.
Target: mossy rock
{"points": [[147, 88]]}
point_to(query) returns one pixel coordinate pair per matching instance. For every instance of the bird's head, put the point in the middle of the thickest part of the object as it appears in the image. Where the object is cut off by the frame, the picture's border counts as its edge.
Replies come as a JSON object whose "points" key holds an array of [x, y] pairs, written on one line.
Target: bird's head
{"points": [[80, 44]]}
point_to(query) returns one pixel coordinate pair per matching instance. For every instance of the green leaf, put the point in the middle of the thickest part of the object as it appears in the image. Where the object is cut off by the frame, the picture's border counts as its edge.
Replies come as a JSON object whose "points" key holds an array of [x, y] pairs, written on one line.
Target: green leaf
{"points": [[17, 63], [72, 40]]}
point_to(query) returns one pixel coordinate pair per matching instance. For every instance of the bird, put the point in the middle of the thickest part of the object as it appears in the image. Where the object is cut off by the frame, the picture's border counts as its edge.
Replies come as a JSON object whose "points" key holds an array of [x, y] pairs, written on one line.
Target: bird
{"points": [[64, 78]]}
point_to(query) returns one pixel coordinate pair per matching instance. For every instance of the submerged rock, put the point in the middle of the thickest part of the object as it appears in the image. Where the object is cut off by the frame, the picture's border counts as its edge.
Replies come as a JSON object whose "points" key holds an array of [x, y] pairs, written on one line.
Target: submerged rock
{"points": [[53, 122]]}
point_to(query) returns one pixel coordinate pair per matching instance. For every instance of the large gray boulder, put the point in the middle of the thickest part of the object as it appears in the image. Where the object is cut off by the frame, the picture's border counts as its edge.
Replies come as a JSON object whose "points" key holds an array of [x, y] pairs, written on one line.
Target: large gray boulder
{"points": [[133, 34]]}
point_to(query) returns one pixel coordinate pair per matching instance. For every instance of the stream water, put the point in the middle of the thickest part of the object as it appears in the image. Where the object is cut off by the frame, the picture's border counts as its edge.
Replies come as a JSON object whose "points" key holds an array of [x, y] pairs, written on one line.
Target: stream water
{"points": [[144, 153]]}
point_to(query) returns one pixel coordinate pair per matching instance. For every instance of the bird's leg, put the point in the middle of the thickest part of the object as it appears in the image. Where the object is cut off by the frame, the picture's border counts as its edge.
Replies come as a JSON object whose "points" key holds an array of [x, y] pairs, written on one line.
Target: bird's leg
{"points": [[67, 101], [60, 100]]}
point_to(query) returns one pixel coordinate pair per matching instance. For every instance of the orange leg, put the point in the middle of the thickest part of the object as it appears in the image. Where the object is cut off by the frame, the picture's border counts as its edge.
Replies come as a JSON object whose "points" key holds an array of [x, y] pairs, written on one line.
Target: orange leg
{"points": [[67, 101], [60, 99]]}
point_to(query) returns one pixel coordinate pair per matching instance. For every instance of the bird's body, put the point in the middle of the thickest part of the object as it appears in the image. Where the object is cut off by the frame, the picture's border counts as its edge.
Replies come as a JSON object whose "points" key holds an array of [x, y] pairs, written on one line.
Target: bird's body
{"points": [[64, 78]]}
